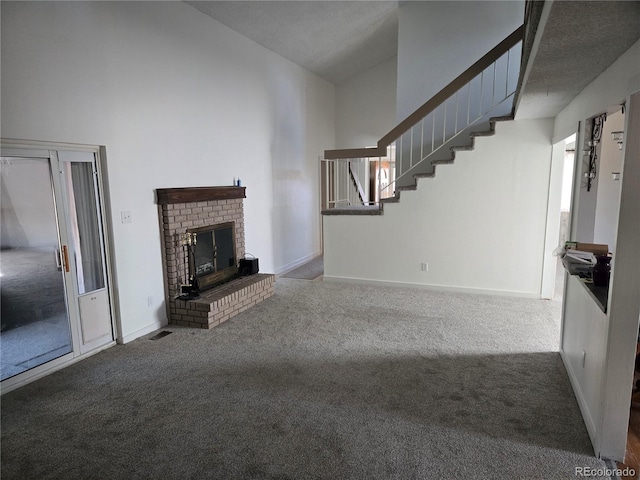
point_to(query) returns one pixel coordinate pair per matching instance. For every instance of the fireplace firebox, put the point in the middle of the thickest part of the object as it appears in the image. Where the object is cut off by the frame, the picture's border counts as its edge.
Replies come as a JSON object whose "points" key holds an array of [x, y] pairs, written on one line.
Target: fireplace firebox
{"points": [[212, 255]]}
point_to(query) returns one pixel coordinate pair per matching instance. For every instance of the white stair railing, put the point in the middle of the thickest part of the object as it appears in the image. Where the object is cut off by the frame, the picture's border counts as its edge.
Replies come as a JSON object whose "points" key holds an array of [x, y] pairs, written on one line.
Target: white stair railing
{"points": [[466, 105], [342, 184]]}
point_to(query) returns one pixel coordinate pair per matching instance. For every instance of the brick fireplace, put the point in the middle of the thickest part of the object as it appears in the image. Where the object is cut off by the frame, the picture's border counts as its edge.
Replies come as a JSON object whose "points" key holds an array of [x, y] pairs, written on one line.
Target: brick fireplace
{"points": [[184, 209]]}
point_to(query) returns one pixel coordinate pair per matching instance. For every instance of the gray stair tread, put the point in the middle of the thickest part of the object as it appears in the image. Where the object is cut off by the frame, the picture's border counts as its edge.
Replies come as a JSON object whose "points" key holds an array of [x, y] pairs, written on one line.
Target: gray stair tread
{"points": [[354, 210]]}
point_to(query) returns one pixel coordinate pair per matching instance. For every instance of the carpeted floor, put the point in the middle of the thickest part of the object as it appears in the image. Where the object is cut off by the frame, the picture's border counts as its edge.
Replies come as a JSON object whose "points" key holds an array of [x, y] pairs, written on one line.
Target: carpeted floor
{"points": [[322, 381], [308, 271]]}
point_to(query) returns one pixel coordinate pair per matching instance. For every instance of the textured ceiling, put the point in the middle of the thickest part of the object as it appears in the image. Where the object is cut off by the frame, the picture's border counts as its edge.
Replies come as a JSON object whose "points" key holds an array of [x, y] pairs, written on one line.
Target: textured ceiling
{"points": [[575, 41], [579, 40], [334, 39]]}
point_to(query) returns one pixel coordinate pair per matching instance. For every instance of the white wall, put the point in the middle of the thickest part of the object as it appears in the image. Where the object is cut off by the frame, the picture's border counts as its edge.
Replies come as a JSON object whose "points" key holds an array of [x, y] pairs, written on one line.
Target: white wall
{"points": [[366, 106], [614, 86], [567, 172], [178, 100], [608, 201], [585, 212], [597, 212], [479, 224], [554, 218], [439, 40]]}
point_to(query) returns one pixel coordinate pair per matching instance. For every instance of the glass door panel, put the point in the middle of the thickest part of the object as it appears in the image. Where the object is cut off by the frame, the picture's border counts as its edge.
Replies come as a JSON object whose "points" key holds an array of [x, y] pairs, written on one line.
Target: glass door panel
{"points": [[85, 227], [86, 247], [35, 319]]}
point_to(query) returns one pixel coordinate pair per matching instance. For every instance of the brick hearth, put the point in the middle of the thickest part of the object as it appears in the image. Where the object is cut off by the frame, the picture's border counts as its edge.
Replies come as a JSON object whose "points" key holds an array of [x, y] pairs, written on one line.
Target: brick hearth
{"points": [[185, 208]]}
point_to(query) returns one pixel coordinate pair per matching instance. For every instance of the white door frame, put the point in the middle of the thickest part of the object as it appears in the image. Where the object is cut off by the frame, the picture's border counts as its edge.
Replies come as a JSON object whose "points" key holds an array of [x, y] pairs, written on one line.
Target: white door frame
{"points": [[49, 151], [552, 229]]}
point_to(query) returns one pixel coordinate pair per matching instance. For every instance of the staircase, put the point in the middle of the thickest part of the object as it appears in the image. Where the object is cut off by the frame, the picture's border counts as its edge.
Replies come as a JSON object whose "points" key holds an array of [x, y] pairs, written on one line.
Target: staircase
{"points": [[491, 130], [469, 107]]}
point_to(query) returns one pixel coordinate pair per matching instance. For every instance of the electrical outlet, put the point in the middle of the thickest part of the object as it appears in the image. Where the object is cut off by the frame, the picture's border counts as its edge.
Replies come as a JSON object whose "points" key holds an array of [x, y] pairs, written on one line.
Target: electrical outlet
{"points": [[149, 301], [424, 266], [584, 358], [126, 217]]}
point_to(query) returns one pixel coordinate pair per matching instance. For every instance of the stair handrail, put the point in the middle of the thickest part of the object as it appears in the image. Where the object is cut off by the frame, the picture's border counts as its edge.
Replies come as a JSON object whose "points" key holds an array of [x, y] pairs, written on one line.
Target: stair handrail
{"points": [[430, 105], [357, 184]]}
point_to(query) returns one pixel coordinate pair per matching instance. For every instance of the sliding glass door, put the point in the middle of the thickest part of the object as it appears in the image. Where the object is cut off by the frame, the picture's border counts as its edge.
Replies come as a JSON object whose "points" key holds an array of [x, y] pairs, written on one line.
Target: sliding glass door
{"points": [[35, 318], [54, 283]]}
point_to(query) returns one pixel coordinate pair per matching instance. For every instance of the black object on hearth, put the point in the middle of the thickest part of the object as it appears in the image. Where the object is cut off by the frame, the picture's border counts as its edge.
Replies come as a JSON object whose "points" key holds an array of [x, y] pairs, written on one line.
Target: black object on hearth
{"points": [[248, 266]]}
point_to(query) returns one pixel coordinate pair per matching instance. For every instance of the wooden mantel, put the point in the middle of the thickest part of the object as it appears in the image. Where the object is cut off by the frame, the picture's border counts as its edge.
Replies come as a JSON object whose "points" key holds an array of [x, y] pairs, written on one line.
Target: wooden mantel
{"points": [[165, 196]]}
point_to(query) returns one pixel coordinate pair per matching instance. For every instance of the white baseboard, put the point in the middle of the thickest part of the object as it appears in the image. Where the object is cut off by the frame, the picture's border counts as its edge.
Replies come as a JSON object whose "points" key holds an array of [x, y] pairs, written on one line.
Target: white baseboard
{"points": [[293, 265], [441, 288], [157, 325]]}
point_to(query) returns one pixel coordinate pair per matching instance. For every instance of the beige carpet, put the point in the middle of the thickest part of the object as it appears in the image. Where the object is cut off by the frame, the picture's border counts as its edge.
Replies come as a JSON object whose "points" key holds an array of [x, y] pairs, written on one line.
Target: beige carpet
{"points": [[321, 381], [308, 271]]}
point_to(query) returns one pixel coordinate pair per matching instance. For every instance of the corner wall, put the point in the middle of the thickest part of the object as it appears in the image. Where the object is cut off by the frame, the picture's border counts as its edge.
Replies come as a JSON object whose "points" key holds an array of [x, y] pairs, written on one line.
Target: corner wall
{"points": [[611, 347], [479, 224], [178, 100], [366, 106], [608, 203]]}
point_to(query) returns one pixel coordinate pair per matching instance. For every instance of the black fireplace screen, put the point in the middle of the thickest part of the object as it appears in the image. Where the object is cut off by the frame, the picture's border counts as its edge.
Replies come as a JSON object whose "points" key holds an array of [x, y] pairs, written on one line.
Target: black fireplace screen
{"points": [[214, 255]]}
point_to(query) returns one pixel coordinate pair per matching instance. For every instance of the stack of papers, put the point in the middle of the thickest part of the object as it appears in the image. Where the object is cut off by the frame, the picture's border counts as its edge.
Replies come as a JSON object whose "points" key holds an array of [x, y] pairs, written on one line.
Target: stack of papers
{"points": [[579, 256], [578, 262]]}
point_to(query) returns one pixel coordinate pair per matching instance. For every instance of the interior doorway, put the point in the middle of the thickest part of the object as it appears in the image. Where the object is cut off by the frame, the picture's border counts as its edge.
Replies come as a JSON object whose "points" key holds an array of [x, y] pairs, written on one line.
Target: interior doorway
{"points": [[54, 275], [558, 215], [567, 187], [565, 207]]}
